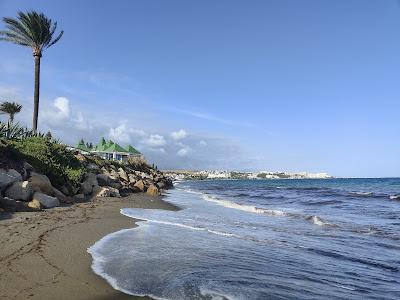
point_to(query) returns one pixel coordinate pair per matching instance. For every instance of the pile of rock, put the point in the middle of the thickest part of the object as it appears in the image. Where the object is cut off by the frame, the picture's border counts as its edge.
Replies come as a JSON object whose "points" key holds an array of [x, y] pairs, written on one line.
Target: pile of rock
{"points": [[113, 181], [28, 191]]}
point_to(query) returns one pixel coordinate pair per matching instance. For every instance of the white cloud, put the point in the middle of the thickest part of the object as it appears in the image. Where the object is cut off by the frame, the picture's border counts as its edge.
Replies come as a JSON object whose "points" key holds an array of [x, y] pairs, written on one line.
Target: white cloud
{"points": [[178, 135], [185, 151], [125, 134], [58, 113], [154, 141], [203, 143]]}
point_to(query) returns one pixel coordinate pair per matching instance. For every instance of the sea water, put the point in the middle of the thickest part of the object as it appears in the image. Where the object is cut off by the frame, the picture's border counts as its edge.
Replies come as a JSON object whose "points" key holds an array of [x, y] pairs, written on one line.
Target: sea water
{"points": [[261, 239]]}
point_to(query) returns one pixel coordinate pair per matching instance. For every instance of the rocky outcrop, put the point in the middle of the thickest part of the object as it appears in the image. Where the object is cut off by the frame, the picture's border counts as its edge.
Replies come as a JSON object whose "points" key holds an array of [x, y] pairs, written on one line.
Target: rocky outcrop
{"points": [[28, 190], [45, 200]]}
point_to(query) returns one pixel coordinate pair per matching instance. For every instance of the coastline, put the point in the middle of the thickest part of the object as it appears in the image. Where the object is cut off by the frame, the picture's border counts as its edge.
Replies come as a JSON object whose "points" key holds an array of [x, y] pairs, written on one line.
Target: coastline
{"points": [[46, 255]]}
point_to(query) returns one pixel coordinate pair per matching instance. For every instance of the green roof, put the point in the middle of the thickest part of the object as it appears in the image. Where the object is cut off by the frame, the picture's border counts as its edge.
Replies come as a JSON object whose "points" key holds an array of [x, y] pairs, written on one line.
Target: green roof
{"points": [[115, 148], [101, 146], [132, 150], [82, 147]]}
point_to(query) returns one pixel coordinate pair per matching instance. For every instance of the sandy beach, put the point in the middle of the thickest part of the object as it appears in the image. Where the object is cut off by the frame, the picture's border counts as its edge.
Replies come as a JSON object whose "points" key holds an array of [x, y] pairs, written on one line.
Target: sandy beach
{"points": [[43, 254]]}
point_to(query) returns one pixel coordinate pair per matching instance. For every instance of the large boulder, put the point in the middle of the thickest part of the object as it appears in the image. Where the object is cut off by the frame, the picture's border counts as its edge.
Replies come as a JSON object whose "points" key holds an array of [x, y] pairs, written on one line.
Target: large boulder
{"points": [[122, 174], [152, 190], [89, 183], [45, 200], [140, 185], [41, 183], [20, 190], [8, 177], [8, 204]]}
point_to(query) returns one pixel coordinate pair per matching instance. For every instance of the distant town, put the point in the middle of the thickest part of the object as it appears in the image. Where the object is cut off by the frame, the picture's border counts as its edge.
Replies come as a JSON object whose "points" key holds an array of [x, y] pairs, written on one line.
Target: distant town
{"points": [[199, 175]]}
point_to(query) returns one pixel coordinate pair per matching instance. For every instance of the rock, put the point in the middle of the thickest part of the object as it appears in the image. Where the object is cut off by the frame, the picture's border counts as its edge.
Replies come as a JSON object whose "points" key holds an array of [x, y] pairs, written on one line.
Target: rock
{"points": [[41, 183], [34, 205], [45, 200], [28, 167], [132, 178], [103, 179], [20, 191], [152, 190], [8, 177], [8, 204], [61, 197], [21, 206], [122, 174], [126, 191], [140, 185], [160, 185], [101, 192], [79, 198], [88, 185], [93, 167], [114, 174], [114, 192]]}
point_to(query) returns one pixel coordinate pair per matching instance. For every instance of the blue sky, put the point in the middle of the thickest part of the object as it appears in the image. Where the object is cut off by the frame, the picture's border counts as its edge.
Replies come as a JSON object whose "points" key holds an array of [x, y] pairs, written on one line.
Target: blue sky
{"points": [[311, 85]]}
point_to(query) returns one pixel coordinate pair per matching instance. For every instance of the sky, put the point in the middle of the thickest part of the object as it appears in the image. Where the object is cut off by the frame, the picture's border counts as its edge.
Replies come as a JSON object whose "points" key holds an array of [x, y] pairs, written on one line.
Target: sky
{"points": [[279, 85]]}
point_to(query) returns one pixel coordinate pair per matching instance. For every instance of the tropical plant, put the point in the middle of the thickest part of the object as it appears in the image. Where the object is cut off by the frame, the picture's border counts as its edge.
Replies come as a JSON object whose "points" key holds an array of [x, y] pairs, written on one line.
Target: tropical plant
{"points": [[34, 30], [11, 109]]}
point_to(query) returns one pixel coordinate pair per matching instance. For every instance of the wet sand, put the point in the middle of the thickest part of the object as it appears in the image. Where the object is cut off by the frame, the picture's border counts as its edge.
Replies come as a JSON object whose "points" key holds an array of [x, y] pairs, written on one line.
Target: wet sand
{"points": [[43, 254]]}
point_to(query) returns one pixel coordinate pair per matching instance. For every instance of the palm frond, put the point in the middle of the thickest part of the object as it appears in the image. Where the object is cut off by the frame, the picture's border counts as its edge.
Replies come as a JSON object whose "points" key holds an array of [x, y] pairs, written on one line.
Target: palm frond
{"points": [[31, 29]]}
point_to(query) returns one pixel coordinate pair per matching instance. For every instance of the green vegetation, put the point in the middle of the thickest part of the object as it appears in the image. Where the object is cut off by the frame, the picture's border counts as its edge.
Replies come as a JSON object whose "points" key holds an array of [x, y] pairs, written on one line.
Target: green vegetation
{"points": [[36, 31], [45, 154], [50, 158]]}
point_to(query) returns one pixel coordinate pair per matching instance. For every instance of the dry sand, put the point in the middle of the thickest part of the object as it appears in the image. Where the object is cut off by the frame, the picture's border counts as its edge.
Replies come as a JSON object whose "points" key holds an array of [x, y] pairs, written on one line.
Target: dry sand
{"points": [[43, 254]]}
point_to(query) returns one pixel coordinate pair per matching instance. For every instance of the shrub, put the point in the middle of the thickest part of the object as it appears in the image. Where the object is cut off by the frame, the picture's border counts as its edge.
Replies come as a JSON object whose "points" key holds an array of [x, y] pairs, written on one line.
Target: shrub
{"points": [[52, 159], [138, 164]]}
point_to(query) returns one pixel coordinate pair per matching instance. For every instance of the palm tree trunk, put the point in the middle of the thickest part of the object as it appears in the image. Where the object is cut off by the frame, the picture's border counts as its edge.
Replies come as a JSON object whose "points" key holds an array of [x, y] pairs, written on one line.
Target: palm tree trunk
{"points": [[36, 93]]}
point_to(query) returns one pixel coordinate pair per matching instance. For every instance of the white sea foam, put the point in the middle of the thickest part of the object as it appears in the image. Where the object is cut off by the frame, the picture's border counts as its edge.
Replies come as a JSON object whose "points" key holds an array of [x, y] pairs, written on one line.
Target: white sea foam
{"points": [[363, 193], [317, 221], [99, 261], [183, 226], [395, 197], [247, 208]]}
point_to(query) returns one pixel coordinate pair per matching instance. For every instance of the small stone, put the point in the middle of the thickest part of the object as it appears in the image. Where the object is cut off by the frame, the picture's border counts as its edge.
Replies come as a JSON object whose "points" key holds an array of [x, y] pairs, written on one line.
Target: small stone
{"points": [[34, 204]]}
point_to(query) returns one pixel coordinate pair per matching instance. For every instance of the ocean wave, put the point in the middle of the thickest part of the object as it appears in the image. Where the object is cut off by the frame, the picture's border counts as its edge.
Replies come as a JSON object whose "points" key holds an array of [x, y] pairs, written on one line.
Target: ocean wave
{"points": [[316, 220], [243, 207], [362, 193], [216, 232], [394, 197]]}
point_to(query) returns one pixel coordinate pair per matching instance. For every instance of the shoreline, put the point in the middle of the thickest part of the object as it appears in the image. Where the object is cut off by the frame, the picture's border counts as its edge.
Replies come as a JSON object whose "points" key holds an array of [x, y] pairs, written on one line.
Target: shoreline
{"points": [[46, 254]]}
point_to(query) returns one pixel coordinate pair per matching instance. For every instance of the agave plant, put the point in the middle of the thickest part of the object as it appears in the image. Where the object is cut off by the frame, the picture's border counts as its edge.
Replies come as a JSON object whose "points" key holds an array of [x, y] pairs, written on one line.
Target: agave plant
{"points": [[36, 31]]}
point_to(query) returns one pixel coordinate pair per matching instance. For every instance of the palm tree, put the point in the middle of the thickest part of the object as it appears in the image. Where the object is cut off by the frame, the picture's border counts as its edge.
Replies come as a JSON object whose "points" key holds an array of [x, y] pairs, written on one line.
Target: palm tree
{"points": [[11, 109], [35, 30]]}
